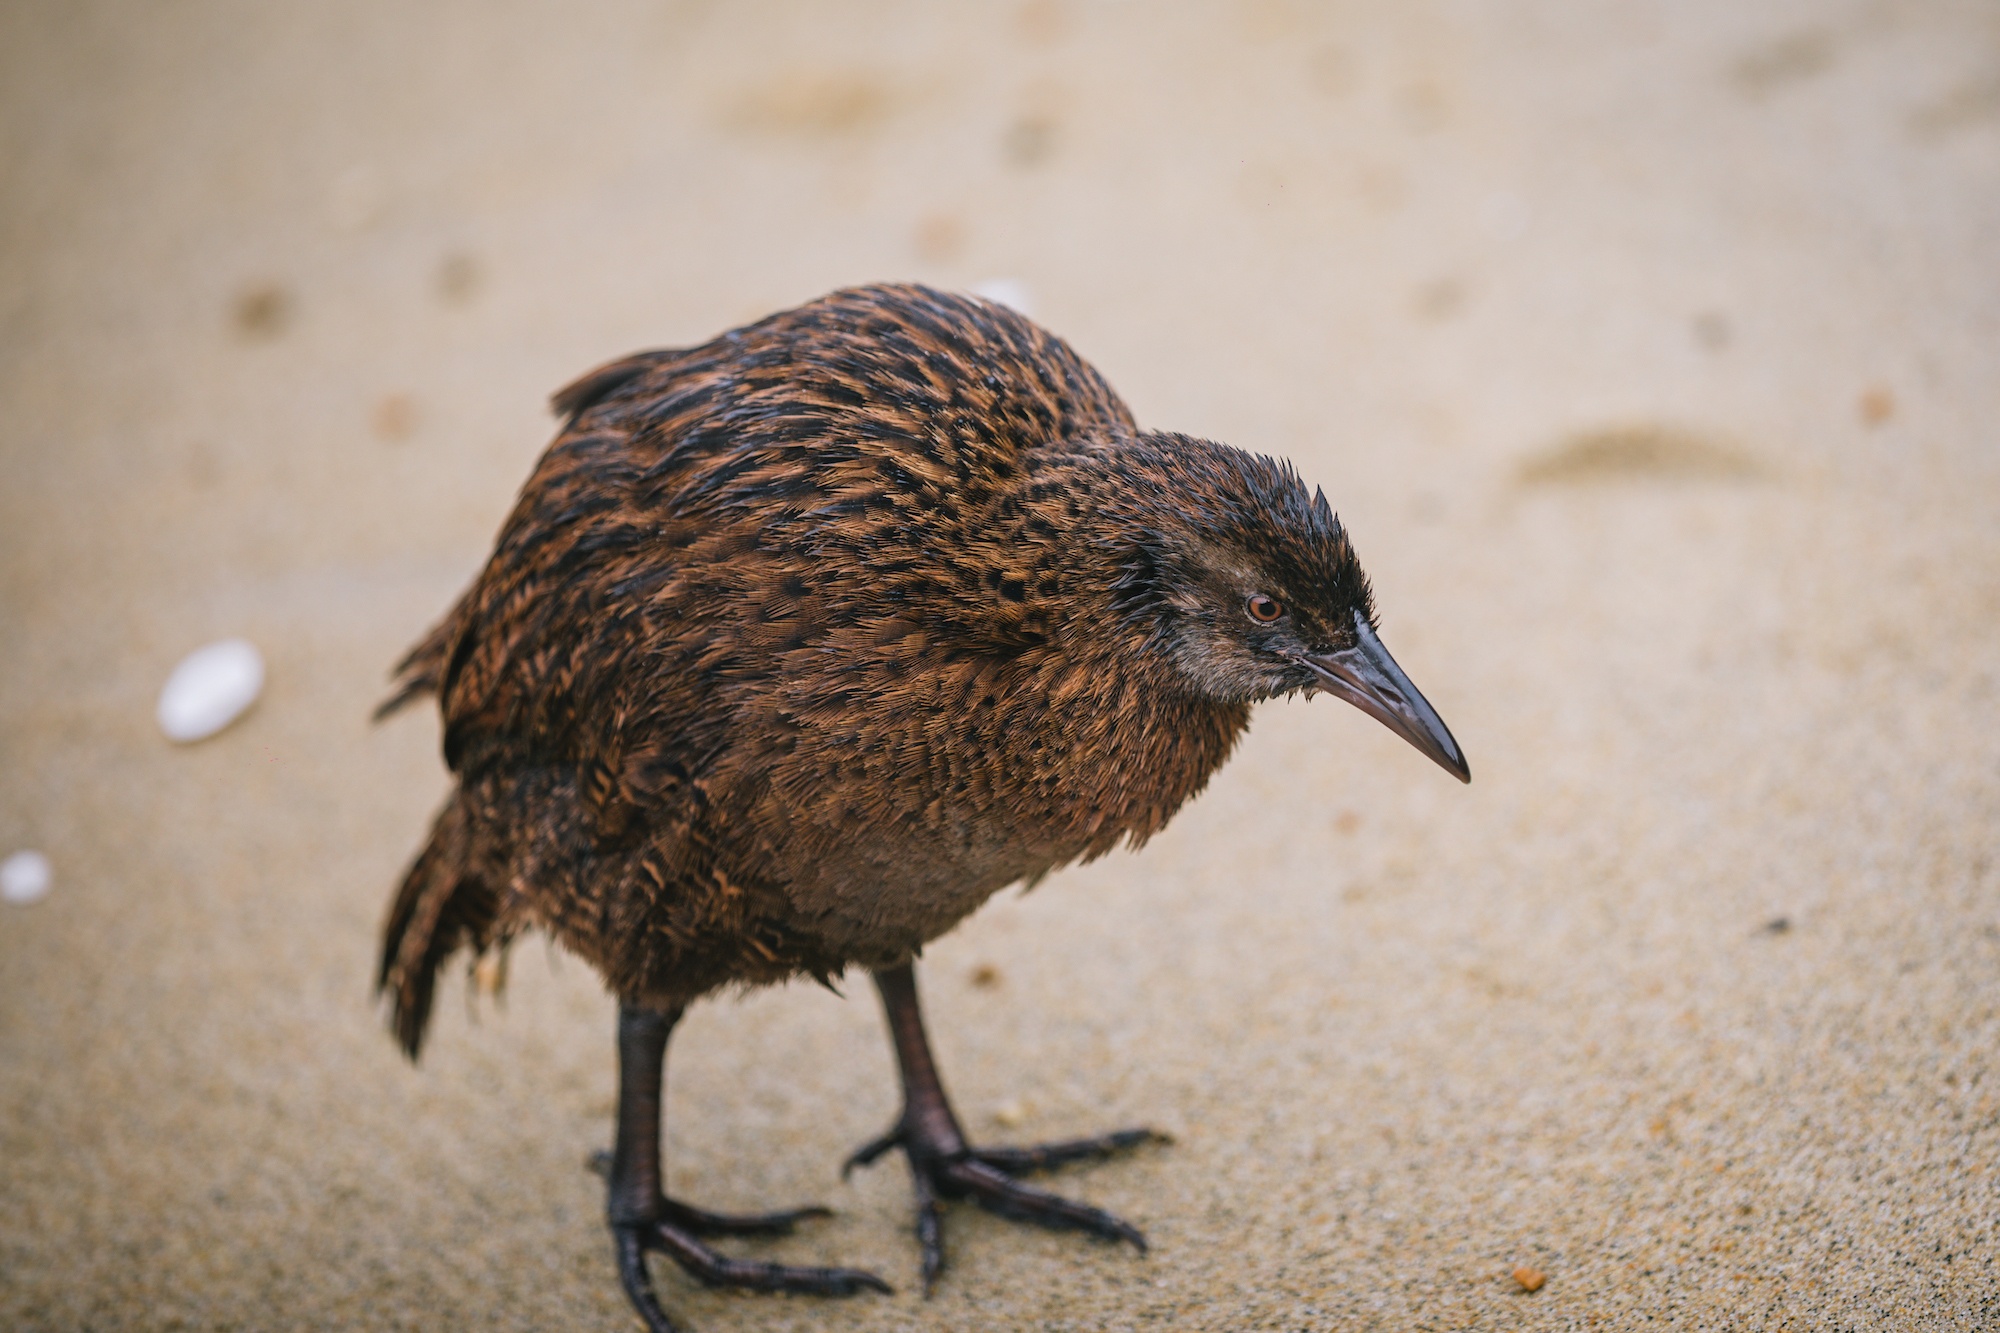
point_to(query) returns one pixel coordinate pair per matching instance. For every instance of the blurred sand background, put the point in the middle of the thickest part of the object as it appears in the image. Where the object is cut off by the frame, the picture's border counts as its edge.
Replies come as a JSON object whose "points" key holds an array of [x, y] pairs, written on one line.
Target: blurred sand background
{"points": [[1649, 350]]}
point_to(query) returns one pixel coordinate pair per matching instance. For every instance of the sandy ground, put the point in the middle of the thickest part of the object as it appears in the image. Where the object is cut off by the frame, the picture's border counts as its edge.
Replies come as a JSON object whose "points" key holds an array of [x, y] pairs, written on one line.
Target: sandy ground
{"points": [[1649, 351]]}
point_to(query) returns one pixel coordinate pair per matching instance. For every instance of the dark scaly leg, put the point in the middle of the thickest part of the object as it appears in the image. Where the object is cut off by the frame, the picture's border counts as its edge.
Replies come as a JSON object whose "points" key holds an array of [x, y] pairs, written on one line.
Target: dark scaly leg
{"points": [[643, 1218], [944, 1166]]}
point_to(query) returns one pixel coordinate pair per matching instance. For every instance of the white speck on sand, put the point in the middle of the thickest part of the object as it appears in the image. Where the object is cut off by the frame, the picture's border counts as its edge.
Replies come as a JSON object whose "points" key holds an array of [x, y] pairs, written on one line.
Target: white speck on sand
{"points": [[25, 878], [211, 688]]}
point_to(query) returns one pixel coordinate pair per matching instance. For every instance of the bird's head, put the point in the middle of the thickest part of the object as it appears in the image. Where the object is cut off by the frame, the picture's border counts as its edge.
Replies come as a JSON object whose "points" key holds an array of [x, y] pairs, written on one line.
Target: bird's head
{"points": [[1248, 584]]}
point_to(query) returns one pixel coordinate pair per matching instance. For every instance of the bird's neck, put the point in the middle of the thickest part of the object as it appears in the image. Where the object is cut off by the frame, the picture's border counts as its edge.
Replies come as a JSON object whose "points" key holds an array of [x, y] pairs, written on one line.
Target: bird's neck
{"points": [[1120, 678]]}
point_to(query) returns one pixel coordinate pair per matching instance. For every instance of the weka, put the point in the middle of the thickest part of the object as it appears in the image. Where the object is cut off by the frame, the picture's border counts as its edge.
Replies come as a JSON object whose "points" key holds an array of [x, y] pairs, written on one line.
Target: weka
{"points": [[800, 644]]}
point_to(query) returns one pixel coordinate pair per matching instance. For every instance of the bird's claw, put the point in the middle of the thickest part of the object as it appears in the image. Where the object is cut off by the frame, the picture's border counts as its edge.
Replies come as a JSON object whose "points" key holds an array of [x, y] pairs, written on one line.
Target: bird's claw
{"points": [[986, 1176]]}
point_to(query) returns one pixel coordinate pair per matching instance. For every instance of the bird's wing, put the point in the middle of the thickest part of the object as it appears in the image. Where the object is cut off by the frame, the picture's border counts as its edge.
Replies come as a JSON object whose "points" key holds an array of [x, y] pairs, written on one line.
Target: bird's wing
{"points": [[706, 511]]}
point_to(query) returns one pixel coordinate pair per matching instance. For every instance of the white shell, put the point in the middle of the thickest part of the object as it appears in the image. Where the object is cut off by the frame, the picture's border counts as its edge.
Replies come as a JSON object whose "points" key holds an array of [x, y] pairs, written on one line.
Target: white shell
{"points": [[210, 689], [1007, 291], [24, 878]]}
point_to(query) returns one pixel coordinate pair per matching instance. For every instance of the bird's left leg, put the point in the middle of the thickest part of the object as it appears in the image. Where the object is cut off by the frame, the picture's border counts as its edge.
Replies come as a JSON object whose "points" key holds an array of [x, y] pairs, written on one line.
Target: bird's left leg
{"points": [[944, 1166]]}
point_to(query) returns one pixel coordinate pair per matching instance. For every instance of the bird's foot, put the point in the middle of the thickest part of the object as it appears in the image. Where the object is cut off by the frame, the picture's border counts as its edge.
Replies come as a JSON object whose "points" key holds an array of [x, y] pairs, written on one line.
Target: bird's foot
{"points": [[675, 1229], [634, 1239], [943, 1167]]}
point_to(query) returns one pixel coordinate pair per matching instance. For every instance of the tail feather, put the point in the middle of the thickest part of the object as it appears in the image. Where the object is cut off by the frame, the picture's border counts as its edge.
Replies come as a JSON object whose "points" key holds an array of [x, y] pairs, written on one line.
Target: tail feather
{"points": [[574, 399], [444, 905]]}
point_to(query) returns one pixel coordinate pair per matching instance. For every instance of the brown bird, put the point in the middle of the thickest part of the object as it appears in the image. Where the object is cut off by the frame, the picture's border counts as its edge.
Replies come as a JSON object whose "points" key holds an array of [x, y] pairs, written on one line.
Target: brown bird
{"points": [[800, 644]]}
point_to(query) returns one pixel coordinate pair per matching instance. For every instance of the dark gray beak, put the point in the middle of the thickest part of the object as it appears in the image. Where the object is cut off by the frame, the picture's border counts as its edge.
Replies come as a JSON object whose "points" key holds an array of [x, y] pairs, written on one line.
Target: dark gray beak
{"points": [[1367, 677]]}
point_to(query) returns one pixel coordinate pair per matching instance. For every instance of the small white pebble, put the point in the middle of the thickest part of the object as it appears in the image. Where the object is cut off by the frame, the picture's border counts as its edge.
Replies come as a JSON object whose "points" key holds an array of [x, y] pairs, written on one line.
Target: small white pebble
{"points": [[210, 689], [1008, 292], [1009, 1115], [24, 878]]}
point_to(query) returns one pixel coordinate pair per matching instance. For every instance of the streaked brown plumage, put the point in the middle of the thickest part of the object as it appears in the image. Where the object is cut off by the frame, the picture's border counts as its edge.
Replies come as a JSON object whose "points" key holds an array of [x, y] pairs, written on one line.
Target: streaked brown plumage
{"points": [[800, 644]]}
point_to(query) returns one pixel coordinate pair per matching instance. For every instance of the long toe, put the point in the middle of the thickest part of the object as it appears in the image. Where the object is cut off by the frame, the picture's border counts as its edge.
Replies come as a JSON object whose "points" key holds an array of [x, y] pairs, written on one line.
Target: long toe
{"points": [[930, 1229], [717, 1270], [996, 1191], [1048, 1156], [638, 1283], [701, 1222], [634, 1239]]}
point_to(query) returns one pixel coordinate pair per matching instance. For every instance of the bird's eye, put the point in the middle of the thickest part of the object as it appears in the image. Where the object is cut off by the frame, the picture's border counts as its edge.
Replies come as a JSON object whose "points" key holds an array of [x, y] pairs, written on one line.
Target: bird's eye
{"points": [[1264, 609]]}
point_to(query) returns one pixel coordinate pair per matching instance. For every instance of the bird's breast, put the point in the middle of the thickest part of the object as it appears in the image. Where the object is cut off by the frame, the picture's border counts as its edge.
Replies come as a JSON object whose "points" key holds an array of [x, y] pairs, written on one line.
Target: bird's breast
{"points": [[898, 809]]}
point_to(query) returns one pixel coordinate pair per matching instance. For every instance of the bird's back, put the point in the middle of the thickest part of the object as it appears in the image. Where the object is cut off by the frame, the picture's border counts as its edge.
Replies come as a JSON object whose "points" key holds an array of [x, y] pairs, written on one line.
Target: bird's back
{"points": [[851, 435]]}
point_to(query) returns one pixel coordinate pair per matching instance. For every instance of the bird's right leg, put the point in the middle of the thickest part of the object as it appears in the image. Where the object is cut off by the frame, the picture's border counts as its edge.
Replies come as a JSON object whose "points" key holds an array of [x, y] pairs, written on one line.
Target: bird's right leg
{"points": [[643, 1218]]}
